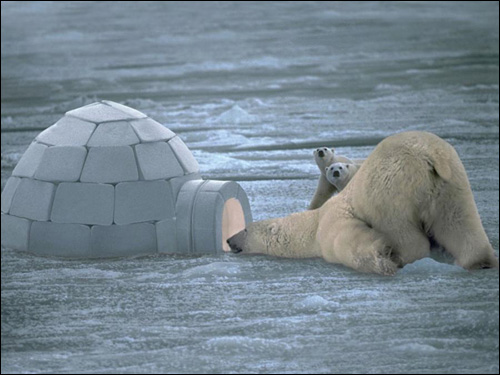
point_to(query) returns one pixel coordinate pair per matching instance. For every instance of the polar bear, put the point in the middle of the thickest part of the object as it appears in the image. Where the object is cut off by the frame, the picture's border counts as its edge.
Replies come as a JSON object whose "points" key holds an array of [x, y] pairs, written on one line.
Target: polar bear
{"points": [[339, 174], [412, 189], [325, 157]]}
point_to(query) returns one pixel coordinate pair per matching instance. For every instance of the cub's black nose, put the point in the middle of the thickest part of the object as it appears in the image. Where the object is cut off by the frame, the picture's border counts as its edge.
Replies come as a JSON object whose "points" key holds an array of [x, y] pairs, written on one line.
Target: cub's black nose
{"points": [[321, 153], [336, 174]]}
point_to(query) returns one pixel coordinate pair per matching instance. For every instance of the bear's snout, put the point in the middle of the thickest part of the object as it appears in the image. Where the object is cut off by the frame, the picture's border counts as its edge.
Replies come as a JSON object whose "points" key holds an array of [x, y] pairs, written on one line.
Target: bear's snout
{"points": [[321, 153], [237, 241], [336, 174]]}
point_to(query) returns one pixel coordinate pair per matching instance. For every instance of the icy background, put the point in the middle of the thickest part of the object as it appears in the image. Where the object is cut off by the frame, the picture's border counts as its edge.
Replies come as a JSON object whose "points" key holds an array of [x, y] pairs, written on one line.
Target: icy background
{"points": [[253, 88]]}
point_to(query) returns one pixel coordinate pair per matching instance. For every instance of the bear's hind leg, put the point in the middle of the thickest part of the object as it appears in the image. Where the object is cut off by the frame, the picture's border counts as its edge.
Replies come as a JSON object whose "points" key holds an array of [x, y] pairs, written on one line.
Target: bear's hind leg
{"points": [[457, 227], [359, 246]]}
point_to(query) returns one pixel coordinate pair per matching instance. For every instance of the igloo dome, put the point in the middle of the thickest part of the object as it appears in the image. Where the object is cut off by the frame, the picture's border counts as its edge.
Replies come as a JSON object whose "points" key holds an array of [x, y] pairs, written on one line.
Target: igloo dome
{"points": [[107, 180]]}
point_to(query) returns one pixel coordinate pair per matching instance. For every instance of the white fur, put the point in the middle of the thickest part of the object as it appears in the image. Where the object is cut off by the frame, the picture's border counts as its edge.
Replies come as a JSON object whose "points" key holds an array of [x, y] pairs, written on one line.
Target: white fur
{"points": [[412, 187]]}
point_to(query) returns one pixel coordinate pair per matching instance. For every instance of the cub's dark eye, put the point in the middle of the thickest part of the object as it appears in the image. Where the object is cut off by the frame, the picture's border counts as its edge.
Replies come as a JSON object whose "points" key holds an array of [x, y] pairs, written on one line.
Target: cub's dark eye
{"points": [[347, 166], [340, 167]]}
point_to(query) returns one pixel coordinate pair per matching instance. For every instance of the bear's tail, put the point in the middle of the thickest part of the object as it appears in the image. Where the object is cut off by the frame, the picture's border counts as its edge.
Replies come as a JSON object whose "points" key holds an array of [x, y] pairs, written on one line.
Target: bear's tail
{"points": [[442, 164]]}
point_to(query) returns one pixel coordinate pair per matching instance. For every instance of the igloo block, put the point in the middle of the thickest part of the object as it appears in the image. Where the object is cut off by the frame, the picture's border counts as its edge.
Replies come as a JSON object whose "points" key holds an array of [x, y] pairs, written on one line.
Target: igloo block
{"points": [[129, 111], [8, 193], [99, 112], [115, 133], [123, 240], [68, 131], [141, 201], [184, 156], [157, 161], [245, 204], [29, 162], [33, 200], [177, 183], [149, 130], [207, 219], [15, 232], [184, 204], [61, 163], [166, 236], [63, 240], [110, 165], [84, 203]]}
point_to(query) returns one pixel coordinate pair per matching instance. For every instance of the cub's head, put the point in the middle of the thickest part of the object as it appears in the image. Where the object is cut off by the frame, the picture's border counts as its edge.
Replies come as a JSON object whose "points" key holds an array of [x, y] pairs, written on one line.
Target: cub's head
{"points": [[323, 157], [339, 174]]}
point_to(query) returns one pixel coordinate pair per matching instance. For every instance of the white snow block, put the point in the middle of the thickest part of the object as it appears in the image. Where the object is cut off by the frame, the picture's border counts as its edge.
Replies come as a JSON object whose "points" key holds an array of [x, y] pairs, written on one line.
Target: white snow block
{"points": [[68, 131], [245, 205], [8, 193], [99, 112], [129, 111], [62, 240], [141, 201], [29, 162], [61, 163], [228, 189], [82, 203], [110, 165], [183, 209], [207, 223], [33, 200], [115, 133], [157, 161], [166, 236], [123, 240], [149, 130], [184, 156], [177, 182], [15, 232]]}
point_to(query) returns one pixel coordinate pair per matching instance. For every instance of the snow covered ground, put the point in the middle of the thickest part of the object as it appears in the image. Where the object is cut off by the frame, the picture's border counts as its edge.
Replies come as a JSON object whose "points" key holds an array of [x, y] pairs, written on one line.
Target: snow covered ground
{"points": [[253, 88]]}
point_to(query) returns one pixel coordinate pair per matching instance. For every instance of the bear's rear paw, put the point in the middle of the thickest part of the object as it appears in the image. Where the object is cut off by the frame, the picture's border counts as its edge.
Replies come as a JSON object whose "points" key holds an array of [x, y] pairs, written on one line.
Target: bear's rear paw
{"points": [[387, 261], [386, 267]]}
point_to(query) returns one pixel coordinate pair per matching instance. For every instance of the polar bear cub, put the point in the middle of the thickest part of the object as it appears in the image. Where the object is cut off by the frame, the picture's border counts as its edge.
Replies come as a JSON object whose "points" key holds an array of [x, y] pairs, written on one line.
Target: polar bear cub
{"points": [[339, 174], [324, 157]]}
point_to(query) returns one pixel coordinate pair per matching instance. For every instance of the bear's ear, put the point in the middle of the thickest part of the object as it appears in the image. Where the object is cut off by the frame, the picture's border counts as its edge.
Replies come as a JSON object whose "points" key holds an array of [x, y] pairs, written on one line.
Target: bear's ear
{"points": [[333, 150], [326, 169], [347, 165]]}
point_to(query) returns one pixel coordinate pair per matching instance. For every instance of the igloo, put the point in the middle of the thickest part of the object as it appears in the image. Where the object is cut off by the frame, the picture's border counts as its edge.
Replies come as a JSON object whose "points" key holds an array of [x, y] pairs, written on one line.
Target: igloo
{"points": [[106, 181]]}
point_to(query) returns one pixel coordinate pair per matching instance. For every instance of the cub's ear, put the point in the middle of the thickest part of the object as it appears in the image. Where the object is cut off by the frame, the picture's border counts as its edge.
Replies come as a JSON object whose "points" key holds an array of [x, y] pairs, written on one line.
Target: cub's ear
{"points": [[333, 150], [347, 165], [326, 169]]}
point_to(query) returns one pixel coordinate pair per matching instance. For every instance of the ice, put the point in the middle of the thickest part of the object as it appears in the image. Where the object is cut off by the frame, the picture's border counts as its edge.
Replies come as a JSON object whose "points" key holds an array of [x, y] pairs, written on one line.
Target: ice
{"points": [[213, 269], [252, 96], [236, 115], [316, 303]]}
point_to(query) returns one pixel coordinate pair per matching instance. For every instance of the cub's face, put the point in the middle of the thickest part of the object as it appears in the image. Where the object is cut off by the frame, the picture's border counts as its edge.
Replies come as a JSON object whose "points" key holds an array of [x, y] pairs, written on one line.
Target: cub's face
{"points": [[339, 174], [324, 157]]}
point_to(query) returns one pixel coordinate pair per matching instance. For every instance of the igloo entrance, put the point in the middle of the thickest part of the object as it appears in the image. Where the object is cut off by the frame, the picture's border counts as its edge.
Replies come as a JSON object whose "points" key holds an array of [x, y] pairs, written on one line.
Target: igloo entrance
{"points": [[233, 221]]}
